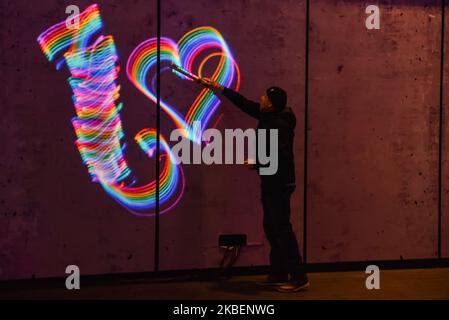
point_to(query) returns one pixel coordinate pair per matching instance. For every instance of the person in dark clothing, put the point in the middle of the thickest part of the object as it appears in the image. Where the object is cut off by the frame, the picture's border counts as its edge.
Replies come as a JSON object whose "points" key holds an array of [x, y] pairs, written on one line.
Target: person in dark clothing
{"points": [[272, 113]]}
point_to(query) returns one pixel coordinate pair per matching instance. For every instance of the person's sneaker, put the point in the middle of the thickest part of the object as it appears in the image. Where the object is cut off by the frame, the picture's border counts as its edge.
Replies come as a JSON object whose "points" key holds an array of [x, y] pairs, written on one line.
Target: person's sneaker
{"points": [[271, 280], [294, 285]]}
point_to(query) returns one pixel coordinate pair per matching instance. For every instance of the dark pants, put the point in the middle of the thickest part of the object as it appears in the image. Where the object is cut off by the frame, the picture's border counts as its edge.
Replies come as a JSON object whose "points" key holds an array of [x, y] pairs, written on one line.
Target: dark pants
{"points": [[285, 257]]}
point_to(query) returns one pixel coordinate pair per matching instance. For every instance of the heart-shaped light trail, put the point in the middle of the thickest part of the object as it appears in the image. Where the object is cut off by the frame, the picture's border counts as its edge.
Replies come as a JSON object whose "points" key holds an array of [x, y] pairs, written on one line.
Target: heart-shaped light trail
{"points": [[208, 40], [93, 68]]}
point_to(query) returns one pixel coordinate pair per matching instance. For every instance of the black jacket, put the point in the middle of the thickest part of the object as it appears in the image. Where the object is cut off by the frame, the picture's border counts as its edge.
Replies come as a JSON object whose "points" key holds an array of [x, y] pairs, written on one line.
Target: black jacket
{"points": [[284, 121]]}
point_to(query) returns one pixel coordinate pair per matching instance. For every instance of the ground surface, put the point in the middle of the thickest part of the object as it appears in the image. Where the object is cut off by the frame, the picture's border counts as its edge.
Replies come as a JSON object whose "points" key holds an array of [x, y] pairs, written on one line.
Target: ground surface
{"points": [[395, 284]]}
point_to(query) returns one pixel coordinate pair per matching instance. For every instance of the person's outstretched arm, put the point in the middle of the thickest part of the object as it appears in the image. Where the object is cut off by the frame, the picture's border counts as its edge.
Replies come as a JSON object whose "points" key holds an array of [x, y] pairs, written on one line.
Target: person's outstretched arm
{"points": [[249, 107]]}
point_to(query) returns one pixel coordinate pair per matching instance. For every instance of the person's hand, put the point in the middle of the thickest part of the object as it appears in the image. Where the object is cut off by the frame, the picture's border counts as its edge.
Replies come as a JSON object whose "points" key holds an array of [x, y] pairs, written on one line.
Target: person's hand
{"points": [[249, 164], [212, 85]]}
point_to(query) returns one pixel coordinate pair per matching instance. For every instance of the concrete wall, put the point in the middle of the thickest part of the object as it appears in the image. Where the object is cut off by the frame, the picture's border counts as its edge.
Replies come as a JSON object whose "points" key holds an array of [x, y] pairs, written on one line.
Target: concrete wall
{"points": [[51, 214], [373, 138], [374, 104]]}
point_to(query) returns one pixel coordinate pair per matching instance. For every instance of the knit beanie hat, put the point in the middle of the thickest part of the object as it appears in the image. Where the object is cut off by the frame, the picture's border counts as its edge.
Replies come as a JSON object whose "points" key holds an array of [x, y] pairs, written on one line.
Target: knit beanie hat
{"points": [[278, 97]]}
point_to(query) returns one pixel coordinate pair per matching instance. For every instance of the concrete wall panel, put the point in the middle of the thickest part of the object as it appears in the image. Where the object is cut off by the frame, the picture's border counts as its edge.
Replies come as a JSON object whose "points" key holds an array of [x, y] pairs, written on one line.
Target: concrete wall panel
{"points": [[51, 214], [268, 41], [374, 98]]}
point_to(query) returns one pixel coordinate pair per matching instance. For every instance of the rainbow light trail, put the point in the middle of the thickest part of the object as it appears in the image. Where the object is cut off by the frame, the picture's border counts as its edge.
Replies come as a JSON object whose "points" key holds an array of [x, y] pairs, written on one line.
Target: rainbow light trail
{"points": [[184, 54], [94, 70]]}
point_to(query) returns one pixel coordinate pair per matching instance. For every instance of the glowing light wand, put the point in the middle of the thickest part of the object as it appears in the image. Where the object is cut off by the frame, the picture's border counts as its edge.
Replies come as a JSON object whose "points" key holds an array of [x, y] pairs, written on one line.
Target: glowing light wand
{"points": [[188, 74]]}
